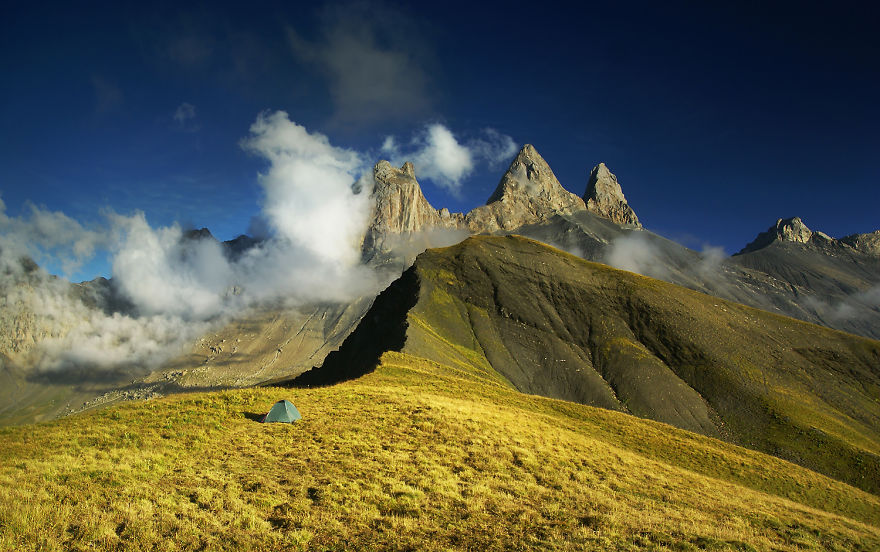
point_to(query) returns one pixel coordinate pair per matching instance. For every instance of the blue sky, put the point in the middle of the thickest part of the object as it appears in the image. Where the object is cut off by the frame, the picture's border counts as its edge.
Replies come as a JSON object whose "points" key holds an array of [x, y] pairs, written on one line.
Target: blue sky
{"points": [[717, 120]]}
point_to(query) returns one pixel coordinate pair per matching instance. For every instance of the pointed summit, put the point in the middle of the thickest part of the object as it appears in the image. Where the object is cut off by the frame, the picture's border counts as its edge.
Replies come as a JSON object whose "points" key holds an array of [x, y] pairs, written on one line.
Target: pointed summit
{"points": [[530, 176], [527, 193], [605, 198], [785, 230]]}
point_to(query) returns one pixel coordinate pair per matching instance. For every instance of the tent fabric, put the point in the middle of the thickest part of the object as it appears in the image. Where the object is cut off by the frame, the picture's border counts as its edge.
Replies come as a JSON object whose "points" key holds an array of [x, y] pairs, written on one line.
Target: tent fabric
{"points": [[282, 411]]}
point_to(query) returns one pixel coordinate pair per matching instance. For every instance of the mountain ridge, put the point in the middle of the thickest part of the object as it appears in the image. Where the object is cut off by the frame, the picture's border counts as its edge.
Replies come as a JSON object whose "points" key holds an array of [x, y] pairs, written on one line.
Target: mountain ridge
{"points": [[552, 324], [527, 193]]}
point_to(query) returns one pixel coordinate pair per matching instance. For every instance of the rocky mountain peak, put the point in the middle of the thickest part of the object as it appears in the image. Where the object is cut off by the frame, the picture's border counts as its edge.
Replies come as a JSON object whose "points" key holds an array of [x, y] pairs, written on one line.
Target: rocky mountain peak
{"points": [[528, 175], [793, 230], [527, 193], [786, 230], [605, 198], [866, 243]]}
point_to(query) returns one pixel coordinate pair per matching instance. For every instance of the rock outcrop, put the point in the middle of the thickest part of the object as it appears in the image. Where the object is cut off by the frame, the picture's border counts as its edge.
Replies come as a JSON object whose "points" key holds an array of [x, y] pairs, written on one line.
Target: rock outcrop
{"points": [[528, 193], [865, 243], [605, 198], [787, 230], [400, 209], [794, 230]]}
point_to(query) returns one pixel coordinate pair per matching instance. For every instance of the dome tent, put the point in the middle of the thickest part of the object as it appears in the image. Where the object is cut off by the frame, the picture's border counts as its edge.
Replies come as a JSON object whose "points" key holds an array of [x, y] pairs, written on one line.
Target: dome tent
{"points": [[282, 411]]}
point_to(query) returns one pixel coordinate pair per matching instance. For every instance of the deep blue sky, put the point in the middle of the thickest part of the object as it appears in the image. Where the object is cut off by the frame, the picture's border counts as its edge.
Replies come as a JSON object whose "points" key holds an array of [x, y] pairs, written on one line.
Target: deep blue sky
{"points": [[716, 119]]}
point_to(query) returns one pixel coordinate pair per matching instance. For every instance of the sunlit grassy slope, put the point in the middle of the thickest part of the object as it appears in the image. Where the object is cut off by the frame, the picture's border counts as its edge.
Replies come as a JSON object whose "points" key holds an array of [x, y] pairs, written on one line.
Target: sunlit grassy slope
{"points": [[416, 455]]}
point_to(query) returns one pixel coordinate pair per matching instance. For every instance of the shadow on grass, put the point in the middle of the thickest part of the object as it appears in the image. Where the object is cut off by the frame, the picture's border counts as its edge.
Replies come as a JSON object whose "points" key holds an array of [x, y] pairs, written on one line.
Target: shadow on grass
{"points": [[254, 416]]}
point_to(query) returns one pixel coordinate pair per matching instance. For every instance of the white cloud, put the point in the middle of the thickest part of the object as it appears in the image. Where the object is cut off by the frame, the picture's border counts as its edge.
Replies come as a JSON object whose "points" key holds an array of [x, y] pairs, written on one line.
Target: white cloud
{"points": [[633, 252], [316, 205], [439, 156], [442, 159], [494, 147], [44, 236], [162, 273], [309, 188], [389, 146]]}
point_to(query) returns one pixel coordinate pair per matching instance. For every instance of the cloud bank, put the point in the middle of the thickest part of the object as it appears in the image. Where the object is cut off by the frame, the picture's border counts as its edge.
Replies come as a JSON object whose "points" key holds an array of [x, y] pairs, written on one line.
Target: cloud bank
{"points": [[175, 285]]}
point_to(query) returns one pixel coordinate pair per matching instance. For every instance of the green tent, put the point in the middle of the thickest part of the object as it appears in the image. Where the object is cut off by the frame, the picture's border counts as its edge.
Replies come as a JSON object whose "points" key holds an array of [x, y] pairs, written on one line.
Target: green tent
{"points": [[282, 411]]}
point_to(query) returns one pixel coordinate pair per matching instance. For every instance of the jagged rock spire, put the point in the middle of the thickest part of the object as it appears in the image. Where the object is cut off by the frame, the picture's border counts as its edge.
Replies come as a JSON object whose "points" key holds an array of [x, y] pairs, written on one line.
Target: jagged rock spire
{"points": [[400, 207], [527, 193], [605, 198]]}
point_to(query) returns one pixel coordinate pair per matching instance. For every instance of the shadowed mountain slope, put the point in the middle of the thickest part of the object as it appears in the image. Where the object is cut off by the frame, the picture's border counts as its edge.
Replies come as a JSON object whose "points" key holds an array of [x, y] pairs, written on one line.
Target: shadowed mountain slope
{"points": [[551, 324]]}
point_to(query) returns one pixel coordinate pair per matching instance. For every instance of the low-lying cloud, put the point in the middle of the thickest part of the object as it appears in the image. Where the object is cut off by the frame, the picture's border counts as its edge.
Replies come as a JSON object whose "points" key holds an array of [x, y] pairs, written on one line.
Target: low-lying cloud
{"points": [[46, 236], [174, 286], [635, 253], [638, 252], [858, 306]]}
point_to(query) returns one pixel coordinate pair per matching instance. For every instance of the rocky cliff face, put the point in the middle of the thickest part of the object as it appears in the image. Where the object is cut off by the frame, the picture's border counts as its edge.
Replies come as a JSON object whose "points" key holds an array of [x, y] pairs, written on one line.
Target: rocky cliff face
{"points": [[787, 230], [400, 209], [528, 193], [605, 198], [868, 244]]}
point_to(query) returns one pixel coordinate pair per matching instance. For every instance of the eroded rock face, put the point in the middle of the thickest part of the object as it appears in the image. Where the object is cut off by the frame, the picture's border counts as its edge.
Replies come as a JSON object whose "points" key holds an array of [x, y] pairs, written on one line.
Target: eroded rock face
{"points": [[866, 243], [529, 192], [400, 208], [605, 198], [786, 230]]}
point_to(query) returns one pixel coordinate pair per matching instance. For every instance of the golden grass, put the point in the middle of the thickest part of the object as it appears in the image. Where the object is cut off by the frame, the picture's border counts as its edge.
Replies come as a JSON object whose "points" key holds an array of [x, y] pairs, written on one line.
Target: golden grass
{"points": [[414, 456]]}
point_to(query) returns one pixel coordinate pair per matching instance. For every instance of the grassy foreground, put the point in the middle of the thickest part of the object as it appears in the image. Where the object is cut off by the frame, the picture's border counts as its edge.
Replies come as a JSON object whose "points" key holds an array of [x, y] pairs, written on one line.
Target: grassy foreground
{"points": [[414, 456]]}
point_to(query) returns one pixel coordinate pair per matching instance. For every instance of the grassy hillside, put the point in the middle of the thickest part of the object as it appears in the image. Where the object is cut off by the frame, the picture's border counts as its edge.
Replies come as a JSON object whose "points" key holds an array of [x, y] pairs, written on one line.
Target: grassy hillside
{"points": [[435, 448], [552, 324], [416, 455]]}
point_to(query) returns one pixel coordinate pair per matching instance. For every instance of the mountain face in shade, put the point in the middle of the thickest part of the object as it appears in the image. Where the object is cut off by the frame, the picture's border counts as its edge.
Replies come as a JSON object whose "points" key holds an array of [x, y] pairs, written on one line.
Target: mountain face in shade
{"points": [[605, 198]]}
